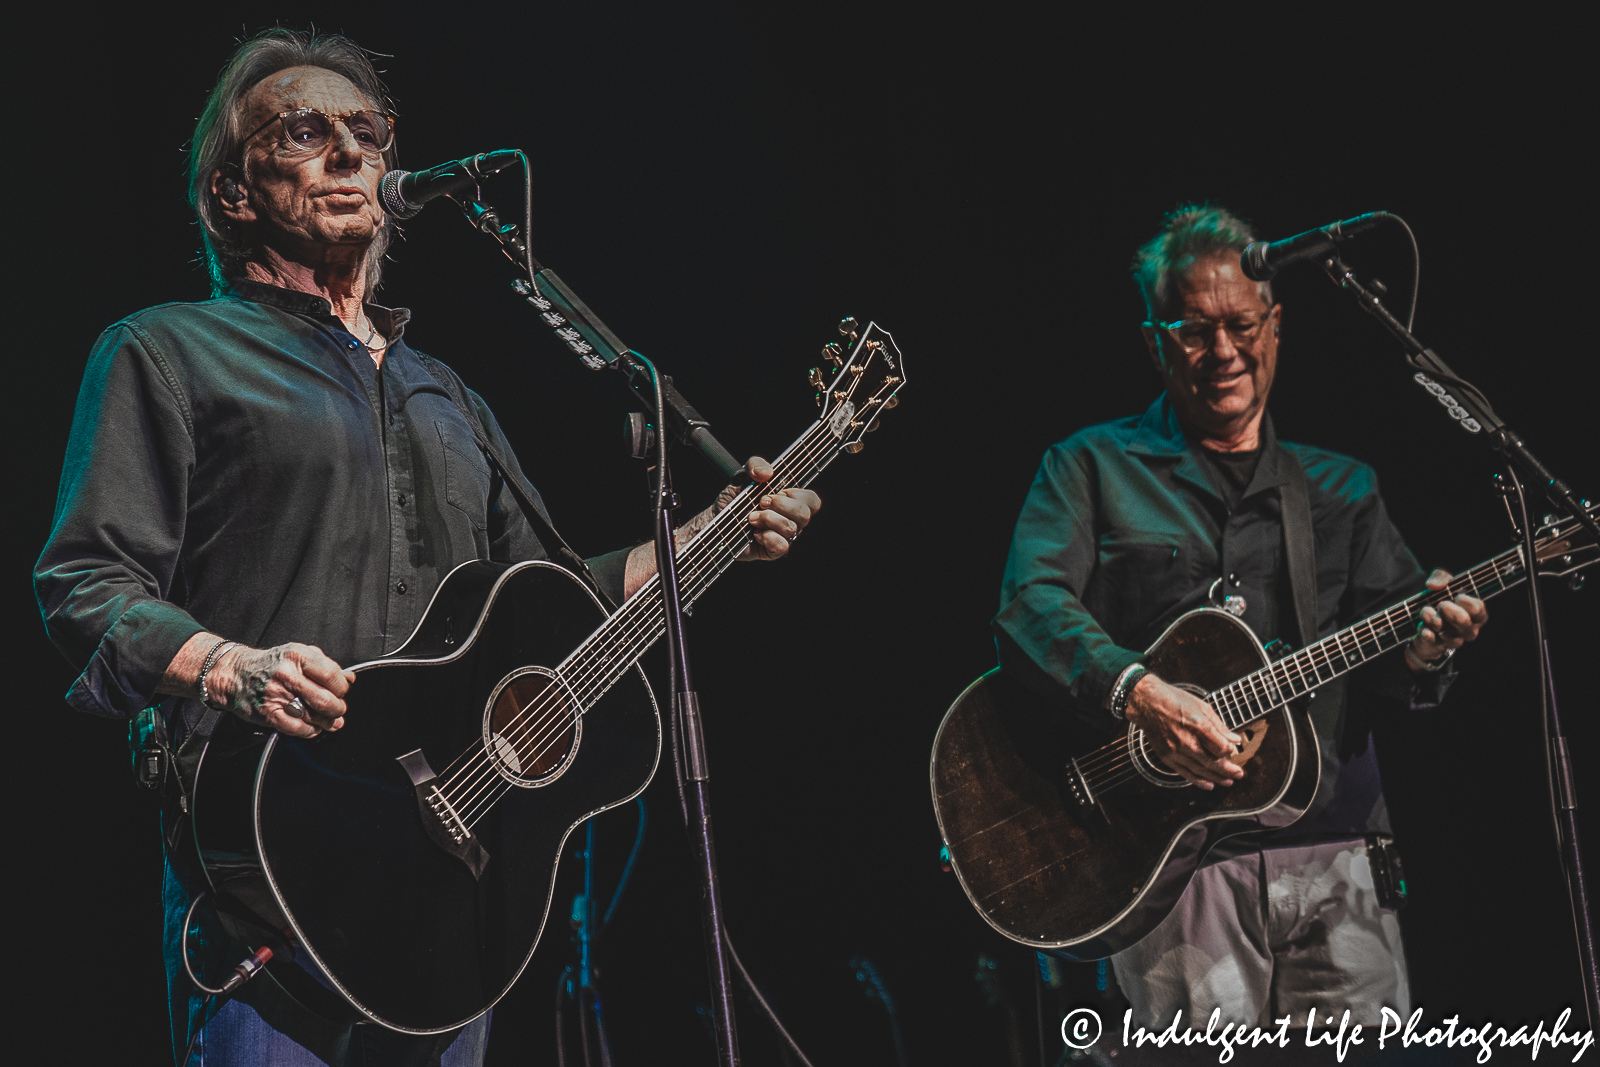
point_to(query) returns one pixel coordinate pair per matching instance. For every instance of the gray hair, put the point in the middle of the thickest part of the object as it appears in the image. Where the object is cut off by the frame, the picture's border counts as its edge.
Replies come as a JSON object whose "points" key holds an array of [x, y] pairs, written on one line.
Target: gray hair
{"points": [[1188, 235], [220, 134]]}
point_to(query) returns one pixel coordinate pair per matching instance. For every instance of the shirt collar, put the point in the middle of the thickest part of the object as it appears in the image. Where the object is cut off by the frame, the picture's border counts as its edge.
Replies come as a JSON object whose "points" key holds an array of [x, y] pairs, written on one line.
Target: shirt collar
{"points": [[391, 322], [1159, 434]]}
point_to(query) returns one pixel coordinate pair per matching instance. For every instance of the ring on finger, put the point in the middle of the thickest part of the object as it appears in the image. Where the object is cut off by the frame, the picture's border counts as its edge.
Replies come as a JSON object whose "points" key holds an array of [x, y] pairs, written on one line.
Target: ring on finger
{"points": [[298, 709]]}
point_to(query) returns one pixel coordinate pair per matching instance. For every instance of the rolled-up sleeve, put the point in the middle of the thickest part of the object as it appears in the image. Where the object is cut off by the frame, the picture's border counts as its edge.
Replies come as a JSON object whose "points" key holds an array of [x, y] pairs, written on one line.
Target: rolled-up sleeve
{"points": [[1043, 627], [107, 574]]}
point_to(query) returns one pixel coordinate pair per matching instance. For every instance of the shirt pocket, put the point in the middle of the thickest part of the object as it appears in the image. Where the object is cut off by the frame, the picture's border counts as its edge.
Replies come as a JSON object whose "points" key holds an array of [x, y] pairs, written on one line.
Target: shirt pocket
{"points": [[1135, 585], [466, 475]]}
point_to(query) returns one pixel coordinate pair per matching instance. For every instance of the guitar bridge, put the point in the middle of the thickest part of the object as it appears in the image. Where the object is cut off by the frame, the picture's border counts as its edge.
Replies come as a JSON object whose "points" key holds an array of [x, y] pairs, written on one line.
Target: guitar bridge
{"points": [[447, 814], [1078, 785], [440, 821]]}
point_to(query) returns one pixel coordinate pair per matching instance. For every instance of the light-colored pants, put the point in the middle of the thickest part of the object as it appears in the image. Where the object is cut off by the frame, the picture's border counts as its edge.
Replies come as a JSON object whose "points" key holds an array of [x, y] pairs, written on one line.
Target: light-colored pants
{"points": [[1270, 934]]}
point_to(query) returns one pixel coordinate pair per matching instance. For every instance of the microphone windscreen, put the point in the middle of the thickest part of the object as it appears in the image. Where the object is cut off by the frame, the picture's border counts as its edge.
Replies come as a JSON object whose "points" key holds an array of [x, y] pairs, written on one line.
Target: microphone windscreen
{"points": [[390, 197], [1253, 261]]}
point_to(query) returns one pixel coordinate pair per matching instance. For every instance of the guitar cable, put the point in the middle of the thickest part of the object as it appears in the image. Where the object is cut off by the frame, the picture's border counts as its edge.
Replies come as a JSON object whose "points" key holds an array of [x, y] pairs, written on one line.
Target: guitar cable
{"points": [[247, 969]]}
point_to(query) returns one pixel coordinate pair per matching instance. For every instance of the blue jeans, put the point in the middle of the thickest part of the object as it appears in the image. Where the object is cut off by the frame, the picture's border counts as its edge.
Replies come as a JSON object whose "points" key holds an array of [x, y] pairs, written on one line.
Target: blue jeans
{"points": [[238, 1036]]}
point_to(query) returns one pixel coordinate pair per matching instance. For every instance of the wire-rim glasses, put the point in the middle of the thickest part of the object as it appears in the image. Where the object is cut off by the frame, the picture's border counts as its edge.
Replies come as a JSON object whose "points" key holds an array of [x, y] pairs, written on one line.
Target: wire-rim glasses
{"points": [[1196, 335], [310, 130]]}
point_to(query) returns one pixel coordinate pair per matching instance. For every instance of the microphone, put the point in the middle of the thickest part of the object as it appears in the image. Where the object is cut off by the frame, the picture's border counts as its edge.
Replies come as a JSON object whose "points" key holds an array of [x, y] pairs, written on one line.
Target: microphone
{"points": [[404, 193], [1260, 260]]}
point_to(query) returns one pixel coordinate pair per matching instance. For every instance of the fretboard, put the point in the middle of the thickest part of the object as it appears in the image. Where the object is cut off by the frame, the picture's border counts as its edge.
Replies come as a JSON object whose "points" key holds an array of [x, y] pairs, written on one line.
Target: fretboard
{"points": [[1294, 675], [605, 655]]}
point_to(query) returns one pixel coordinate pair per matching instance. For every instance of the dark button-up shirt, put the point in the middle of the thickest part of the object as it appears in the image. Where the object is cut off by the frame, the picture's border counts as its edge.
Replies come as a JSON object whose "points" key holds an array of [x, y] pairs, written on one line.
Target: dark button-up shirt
{"points": [[241, 466], [1123, 531]]}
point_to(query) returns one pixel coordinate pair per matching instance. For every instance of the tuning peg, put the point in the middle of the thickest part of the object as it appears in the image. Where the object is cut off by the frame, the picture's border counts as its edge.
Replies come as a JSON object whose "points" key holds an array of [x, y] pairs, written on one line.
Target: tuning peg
{"points": [[892, 402], [815, 378], [855, 446], [833, 353], [847, 326]]}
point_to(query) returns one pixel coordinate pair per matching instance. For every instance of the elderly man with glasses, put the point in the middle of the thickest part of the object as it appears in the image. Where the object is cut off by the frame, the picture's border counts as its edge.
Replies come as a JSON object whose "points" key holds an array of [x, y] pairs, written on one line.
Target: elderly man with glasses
{"points": [[269, 485], [1130, 524]]}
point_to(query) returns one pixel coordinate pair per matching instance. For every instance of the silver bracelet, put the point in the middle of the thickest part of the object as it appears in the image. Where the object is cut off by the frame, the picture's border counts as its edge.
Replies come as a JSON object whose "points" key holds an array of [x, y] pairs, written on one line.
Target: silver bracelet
{"points": [[1122, 688], [211, 659], [1423, 665]]}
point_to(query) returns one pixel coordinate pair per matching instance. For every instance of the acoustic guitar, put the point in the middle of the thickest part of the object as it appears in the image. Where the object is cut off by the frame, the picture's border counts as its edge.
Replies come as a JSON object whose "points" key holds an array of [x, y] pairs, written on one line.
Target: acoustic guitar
{"points": [[1065, 843], [413, 853]]}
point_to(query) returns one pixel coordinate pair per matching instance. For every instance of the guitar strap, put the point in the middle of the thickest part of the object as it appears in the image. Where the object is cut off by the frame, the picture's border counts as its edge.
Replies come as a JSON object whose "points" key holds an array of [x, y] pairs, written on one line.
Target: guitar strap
{"points": [[527, 499], [1294, 499]]}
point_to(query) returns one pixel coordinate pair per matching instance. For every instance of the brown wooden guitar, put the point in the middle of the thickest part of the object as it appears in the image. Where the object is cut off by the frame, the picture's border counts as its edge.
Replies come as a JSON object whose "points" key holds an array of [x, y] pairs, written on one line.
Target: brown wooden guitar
{"points": [[1084, 847]]}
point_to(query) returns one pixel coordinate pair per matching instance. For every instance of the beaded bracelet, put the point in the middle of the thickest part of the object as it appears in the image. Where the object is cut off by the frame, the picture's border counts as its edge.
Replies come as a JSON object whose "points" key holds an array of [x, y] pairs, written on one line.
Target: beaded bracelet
{"points": [[211, 659], [1122, 688]]}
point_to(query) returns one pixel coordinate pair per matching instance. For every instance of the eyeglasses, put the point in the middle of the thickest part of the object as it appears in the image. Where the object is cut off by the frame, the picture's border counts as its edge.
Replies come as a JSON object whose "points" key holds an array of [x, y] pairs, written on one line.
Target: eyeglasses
{"points": [[310, 130], [1196, 335]]}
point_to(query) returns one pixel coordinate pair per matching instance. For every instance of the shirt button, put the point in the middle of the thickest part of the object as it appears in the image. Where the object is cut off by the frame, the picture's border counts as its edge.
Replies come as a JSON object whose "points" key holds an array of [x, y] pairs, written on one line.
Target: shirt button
{"points": [[401, 588], [401, 500]]}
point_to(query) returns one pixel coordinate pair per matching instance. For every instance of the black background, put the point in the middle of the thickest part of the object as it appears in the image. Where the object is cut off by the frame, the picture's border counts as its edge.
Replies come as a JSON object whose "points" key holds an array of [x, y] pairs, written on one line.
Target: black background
{"points": [[722, 186]]}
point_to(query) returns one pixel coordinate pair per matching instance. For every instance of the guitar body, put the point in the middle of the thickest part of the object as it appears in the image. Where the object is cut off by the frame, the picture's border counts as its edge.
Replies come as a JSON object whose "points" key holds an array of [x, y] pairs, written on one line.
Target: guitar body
{"points": [[413, 853], [1088, 879], [417, 937]]}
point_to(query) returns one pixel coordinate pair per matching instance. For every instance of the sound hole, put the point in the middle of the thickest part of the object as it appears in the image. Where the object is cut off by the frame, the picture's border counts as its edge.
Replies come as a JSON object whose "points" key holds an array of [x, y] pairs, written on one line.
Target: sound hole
{"points": [[1152, 769], [532, 728]]}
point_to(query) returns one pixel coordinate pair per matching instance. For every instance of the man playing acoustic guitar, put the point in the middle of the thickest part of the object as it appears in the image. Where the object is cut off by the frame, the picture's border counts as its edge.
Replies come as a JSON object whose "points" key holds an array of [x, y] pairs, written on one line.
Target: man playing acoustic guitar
{"points": [[267, 487], [1130, 524]]}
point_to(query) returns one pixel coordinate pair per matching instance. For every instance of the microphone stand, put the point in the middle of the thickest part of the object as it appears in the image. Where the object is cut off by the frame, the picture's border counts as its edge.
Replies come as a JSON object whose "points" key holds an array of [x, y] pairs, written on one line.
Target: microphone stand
{"points": [[599, 349], [1471, 411]]}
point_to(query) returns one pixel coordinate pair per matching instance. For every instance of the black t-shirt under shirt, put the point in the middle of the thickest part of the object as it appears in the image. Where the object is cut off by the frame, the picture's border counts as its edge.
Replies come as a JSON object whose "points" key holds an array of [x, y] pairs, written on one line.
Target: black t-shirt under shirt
{"points": [[1230, 472]]}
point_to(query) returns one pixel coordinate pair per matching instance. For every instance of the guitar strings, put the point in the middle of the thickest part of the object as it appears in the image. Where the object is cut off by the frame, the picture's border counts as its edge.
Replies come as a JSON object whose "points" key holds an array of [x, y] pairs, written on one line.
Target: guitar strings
{"points": [[1319, 657], [1108, 766], [703, 550], [1097, 766], [708, 552], [552, 715]]}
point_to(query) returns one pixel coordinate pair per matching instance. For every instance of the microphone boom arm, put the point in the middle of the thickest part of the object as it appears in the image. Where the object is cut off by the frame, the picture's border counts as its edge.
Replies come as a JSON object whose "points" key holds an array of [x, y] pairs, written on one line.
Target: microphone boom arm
{"points": [[1466, 405], [581, 330]]}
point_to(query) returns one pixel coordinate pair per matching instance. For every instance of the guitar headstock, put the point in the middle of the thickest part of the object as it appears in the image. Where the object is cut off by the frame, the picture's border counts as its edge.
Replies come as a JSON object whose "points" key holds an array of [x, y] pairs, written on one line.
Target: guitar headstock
{"points": [[870, 371], [1564, 545]]}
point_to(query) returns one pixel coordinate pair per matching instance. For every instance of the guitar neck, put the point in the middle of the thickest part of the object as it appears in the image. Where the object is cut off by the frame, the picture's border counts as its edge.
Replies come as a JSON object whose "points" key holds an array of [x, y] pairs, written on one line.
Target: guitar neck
{"points": [[596, 664], [1294, 675]]}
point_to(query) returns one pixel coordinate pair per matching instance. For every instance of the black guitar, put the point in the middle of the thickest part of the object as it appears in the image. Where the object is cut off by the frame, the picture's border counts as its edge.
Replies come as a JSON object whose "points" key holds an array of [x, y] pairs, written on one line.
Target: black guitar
{"points": [[413, 853], [1067, 843]]}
